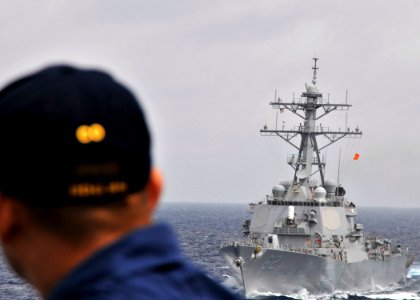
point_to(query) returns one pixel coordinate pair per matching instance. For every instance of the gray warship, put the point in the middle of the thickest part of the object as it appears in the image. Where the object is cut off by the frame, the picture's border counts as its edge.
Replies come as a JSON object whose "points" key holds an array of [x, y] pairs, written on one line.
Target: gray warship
{"points": [[304, 235]]}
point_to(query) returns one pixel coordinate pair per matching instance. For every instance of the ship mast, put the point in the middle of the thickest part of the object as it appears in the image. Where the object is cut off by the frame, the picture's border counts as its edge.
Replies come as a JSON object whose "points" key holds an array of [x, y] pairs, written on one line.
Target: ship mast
{"points": [[309, 152]]}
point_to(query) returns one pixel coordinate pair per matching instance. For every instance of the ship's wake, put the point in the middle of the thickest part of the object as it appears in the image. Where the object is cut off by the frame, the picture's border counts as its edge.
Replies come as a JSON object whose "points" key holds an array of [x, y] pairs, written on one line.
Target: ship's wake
{"points": [[409, 290]]}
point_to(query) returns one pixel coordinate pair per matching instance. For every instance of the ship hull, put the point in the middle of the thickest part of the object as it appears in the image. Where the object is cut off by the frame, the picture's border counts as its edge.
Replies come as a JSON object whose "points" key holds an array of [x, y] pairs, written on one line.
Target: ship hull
{"points": [[286, 272]]}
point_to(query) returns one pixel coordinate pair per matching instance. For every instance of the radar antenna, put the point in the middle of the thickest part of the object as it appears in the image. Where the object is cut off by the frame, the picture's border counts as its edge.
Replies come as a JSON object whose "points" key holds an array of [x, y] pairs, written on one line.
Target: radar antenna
{"points": [[315, 68]]}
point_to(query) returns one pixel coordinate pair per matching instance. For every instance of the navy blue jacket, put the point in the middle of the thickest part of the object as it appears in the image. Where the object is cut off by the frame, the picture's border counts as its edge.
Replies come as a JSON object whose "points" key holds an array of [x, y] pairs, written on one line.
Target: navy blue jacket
{"points": [[145, 264]]}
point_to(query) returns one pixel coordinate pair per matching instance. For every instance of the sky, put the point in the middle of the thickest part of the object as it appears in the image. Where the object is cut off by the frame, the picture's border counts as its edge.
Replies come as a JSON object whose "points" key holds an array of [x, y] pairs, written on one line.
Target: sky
{"points": [[205, 71]]}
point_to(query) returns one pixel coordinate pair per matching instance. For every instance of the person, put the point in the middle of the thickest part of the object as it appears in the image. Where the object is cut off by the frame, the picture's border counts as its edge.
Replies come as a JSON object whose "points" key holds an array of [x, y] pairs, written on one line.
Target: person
{"points": [[78, 192]]}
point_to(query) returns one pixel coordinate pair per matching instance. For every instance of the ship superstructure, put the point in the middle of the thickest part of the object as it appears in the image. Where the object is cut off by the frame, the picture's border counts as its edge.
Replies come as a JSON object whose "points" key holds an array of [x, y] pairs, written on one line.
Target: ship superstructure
{"points": [[304, 235]]}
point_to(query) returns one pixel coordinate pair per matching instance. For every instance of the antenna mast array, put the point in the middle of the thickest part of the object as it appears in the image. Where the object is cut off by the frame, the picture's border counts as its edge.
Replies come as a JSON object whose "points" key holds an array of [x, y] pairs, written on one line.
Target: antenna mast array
{"points": [[309, 151]]}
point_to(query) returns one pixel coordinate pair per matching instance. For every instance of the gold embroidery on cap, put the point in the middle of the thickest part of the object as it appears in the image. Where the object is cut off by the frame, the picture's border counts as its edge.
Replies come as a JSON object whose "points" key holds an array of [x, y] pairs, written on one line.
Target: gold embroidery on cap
{"points": [[109, 169], [94, 133], [86, 189], [82, 134]]}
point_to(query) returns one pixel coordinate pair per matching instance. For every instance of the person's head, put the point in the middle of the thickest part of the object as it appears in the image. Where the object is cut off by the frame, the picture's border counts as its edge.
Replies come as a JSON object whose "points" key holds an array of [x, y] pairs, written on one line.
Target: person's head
{"points": [[75, 164]]}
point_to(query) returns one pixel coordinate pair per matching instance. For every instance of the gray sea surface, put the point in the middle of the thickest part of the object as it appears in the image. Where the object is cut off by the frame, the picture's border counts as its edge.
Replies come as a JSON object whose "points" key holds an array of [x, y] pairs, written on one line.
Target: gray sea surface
{"points": [[202, 227]]}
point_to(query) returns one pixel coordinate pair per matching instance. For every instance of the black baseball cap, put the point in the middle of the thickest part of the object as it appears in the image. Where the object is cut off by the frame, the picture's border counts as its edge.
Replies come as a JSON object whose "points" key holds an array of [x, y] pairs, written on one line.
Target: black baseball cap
{"points": [[71, 136]]}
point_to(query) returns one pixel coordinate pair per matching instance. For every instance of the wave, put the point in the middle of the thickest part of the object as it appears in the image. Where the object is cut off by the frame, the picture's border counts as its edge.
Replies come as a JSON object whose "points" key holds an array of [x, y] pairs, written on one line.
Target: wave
{"points": [[395, 293], [233, 284], [414, 271]]}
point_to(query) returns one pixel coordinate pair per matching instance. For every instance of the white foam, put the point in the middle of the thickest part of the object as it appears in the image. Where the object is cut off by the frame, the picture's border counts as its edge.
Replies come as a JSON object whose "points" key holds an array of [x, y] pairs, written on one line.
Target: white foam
{"points": [[304, 295], [414, 271], [232, 283], [255, 294], [396, 296]]}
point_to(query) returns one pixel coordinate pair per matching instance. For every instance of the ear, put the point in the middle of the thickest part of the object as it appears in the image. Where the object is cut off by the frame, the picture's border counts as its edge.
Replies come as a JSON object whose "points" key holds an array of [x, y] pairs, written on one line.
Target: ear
{"points": [[154, 188], [8, 217]]}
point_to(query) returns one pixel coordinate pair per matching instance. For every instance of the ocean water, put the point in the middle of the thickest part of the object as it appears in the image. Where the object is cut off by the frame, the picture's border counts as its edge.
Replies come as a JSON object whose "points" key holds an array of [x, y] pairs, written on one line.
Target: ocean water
{"points": [[202, 227]]}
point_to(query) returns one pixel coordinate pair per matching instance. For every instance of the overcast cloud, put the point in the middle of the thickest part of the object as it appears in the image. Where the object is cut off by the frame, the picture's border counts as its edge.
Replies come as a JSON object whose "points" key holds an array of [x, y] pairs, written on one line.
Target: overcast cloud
{"points": [[206, 70]]}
